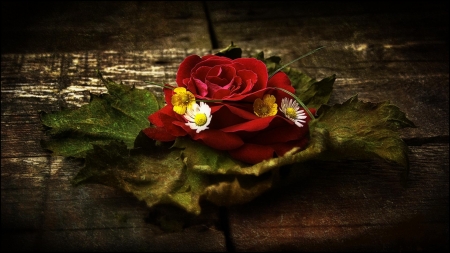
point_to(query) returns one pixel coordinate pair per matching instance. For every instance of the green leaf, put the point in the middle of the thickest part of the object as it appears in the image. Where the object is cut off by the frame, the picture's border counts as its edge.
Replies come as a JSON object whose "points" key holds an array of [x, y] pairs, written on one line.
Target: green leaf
{"points": [[190, 171], [119, 115], [232, 52], [313, 93], [363, 130]]}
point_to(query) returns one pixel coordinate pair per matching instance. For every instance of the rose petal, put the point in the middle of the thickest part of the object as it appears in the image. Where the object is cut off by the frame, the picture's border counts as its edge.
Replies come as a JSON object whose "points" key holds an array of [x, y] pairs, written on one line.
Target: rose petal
{"points": [[259, 68], [249, 78], [200, 87], [214, 71], [219, 94], [244, 111], [212, 88], [218, 139], [168, 93], [213, 61], [281, 80], [201, 72], [227, 73], [256, 124], [223, 117], [251, 153], [219, 81], [155, 118], [288, 132], [250, 97], [184, 71], [173, 129]]}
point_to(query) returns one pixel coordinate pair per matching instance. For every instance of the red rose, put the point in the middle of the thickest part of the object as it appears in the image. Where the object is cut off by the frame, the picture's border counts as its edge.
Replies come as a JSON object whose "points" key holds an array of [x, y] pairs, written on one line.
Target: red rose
{"points": [[218, 77], [251, 120]]}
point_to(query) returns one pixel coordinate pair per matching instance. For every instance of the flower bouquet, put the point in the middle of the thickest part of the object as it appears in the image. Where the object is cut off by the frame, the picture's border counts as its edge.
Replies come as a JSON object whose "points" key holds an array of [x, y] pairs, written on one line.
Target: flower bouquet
{"points": [[221, 133]]}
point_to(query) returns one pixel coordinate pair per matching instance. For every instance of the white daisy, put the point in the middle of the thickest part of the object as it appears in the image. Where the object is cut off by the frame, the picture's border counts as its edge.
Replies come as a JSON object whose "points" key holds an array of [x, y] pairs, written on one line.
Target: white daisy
{"points": [[198, 116], [292, 110]]}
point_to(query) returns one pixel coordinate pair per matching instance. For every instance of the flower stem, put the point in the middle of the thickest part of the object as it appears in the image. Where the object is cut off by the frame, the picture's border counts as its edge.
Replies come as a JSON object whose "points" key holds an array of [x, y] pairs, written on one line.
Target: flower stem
{"points": [[301, 57], [298, 101], [168, 86], [209, 101]]}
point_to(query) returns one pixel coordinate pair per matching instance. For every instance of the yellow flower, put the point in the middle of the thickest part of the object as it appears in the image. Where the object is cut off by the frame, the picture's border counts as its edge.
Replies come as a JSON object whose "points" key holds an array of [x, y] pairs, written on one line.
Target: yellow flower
{"points": [[266, 106], [182, 99]]}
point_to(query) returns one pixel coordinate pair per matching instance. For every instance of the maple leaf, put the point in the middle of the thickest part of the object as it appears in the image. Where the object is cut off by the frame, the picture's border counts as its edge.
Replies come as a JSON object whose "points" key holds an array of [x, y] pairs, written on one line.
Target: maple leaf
{"points": [[119, 115]]}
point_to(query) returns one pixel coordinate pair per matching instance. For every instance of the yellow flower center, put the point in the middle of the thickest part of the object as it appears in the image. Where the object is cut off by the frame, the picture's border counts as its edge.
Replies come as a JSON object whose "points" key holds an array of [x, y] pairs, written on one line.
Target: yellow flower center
{"points": [[181, 100], [200, 119], [291, 113], [184, 98], [266, 106]]}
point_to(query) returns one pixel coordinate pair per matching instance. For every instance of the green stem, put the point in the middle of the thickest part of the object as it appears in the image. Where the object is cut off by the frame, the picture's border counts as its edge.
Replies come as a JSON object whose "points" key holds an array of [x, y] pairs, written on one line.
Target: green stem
{"points": [[301, 57], [209, 101], [298, 101], [162, 85]]}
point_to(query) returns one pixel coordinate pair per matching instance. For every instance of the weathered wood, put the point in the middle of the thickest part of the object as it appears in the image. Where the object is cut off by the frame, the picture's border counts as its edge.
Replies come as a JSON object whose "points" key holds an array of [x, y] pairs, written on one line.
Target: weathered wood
{"points": [[120, 26], [37, 197], [380, 54], [359, 205], [288, 25], [397, 53], [43, 181], [48, 82]]}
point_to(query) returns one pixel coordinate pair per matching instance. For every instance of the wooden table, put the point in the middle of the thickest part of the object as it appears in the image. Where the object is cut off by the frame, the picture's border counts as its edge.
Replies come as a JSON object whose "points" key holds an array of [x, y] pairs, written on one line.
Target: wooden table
{"points": [[380, 52]]}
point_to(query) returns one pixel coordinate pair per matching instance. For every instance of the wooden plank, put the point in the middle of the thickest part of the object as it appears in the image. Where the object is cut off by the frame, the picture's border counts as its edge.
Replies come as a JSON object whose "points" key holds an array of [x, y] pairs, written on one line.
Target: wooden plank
{"points": [[49, 82], [122, 26], [63, 203], [38, 202], [133, 239], [23, 187], [285, 24], [348, 206], [412, 76], [399, 54]]}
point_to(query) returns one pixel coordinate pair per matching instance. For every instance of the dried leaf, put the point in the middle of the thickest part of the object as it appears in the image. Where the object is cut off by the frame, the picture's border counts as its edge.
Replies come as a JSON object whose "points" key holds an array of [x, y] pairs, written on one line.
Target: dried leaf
{"points": [[151, 177], [362, 130]]}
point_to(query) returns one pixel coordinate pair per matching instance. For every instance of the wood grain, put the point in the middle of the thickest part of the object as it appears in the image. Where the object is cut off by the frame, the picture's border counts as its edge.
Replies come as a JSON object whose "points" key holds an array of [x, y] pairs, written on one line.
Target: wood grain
{"points": [[289, 25], [380, 54], [121, 26], [400, 54], [37, 198], [348, 206]]}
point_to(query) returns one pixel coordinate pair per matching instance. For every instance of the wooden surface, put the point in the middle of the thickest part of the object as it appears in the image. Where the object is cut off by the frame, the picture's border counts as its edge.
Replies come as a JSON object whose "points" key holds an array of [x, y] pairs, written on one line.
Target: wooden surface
{"points": [[396, 53]]}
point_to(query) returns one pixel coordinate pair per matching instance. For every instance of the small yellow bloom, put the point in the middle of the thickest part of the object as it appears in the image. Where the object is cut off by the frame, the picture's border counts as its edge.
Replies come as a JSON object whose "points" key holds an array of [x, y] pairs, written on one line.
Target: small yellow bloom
{"points": [[182, 99], [266, 106]]}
